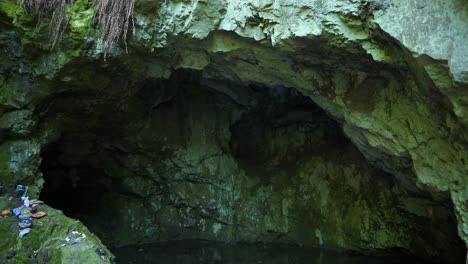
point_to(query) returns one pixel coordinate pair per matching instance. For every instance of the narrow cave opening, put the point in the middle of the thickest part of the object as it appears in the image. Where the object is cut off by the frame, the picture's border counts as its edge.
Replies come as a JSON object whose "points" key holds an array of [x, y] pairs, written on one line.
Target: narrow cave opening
{"points": [[186, 158]]}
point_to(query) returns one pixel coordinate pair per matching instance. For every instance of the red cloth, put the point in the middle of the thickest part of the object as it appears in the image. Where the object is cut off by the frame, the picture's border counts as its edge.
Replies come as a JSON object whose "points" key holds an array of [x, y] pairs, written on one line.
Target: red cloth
{"points": [[39, 215]]}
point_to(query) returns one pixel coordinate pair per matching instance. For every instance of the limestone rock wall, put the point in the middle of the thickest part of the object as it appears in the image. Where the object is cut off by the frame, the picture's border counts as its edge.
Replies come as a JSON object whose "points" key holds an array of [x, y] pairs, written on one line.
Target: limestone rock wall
{"points": [[180, 160], [393, 73]]}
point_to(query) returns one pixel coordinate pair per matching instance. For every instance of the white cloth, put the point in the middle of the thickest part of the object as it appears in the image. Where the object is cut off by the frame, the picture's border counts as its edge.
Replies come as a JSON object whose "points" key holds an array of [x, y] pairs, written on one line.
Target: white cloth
{"points": [[25, 201]]}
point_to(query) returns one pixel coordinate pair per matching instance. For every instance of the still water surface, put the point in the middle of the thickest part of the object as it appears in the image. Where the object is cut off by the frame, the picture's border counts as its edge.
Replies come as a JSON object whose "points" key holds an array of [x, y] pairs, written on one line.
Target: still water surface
{"points": [[196, 252]]}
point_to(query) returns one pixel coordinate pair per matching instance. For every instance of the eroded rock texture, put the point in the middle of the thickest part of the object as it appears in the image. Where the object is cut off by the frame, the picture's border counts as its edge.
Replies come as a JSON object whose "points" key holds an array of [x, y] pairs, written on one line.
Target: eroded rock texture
{"points": [[205, 128]]}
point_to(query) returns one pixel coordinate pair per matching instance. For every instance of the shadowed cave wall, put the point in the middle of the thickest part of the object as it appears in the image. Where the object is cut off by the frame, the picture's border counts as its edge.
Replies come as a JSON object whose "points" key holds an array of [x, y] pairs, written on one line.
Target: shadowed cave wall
{"points": [[182, 159], [212, 159]]}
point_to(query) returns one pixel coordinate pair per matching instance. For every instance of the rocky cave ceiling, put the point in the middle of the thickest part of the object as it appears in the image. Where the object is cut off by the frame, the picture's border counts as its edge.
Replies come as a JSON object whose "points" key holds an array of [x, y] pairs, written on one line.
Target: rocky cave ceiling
{"points": [[393, 97]]}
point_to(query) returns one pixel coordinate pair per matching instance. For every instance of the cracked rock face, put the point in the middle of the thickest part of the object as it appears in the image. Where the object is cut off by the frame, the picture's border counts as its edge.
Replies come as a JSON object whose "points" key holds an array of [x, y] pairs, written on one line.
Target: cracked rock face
{"points": [[215, 151], [191, 162]]}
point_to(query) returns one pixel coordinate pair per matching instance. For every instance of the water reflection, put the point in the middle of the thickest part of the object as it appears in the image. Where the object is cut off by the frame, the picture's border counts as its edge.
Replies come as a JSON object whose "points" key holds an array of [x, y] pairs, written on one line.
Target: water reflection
{"points": [[188, 252]]}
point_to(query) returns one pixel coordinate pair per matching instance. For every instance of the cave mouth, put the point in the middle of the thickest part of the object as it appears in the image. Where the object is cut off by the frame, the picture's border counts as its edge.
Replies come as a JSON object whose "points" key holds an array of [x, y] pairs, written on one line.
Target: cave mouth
{"points": [[184, 158], [76, 189]]}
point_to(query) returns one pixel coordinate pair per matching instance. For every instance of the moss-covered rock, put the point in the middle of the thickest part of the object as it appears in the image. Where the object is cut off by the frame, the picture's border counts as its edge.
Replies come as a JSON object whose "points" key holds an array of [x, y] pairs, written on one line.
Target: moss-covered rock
{"points": [[399, 95], [53, 239]]}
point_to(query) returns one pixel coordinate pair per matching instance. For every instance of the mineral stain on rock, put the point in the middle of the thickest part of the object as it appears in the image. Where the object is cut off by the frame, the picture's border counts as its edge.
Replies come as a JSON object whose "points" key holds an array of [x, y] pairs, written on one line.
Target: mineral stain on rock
{"points": [[335, 125]]}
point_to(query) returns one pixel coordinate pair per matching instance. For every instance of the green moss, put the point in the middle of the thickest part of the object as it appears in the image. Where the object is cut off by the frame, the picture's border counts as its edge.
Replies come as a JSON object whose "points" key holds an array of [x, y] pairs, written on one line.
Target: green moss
{"points": [[5, 174], [48, 238], [80, 24], [23, 21], [37, 35], [14, 11]]}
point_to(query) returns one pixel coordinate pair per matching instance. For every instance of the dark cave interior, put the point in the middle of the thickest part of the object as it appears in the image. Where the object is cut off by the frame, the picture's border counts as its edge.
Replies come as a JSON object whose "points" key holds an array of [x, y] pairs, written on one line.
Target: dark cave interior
{"points": [[89, 169]]}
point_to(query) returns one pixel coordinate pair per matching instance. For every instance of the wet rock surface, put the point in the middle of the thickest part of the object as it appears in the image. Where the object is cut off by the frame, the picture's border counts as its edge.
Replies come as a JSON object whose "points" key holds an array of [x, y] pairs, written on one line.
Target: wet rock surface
{"points": [[397, 91]]}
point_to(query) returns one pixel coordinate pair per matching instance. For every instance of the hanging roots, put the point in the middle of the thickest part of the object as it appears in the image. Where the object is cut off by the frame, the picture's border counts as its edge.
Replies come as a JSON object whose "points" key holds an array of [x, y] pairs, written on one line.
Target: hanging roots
{"points": [[112, 17], [55, 8]]}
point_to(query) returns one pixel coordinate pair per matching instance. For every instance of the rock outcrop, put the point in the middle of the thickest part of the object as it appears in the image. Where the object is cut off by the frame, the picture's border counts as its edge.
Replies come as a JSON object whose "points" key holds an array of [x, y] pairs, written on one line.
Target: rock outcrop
{"points": [[392, 74]]}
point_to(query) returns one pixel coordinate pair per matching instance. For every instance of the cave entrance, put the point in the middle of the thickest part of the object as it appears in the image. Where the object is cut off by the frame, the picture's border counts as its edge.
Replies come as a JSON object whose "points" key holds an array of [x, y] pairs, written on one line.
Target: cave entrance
{"points": [[74, 184], [187, 158]]}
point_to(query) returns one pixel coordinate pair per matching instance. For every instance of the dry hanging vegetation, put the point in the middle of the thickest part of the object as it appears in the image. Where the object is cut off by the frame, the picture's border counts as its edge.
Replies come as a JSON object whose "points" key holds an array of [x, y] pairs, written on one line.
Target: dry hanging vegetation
{"points": [[113, 18], [55, 8]]}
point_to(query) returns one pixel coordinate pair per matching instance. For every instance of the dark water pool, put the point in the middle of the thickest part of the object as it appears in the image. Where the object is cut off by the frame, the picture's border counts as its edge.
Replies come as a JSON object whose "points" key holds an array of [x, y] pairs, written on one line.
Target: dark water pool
{"points": [[188, 252]]}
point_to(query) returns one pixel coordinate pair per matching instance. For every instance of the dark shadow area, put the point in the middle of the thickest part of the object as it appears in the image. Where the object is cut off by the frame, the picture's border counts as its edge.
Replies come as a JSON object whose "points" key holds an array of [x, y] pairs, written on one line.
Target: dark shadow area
{"points": [[284, 127], [76, 187], [122, 163], [195, 252]]}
